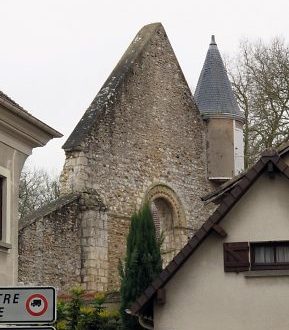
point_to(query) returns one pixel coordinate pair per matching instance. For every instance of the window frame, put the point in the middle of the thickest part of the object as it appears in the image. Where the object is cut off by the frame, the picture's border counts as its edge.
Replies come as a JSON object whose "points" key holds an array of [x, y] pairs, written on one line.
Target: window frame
{"points": [[5, 209], [267, 266], [1, 206]]}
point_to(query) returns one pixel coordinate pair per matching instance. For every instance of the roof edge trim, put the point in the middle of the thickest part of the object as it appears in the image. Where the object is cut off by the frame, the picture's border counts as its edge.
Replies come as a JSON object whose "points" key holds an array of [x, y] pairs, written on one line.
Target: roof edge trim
{"points": [[28, 117], [208, 115], [109, 90]]}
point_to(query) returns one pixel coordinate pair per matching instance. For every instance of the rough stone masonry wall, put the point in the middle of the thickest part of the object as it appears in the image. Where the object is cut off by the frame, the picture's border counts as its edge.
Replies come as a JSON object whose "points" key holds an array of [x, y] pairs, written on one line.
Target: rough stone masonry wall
{"points": [[94, 243], [50, 250], [151, 133], [118, 227]]}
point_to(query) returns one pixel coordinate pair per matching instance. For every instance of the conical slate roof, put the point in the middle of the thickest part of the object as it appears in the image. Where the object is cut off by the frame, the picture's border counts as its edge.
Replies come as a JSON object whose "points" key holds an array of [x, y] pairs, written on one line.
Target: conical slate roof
{"points": [[214, 95]]}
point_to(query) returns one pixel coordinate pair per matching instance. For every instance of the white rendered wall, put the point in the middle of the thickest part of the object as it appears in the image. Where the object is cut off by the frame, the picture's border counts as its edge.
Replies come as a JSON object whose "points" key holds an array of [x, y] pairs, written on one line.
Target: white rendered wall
{"points": [[238, 148], [202, 296]]}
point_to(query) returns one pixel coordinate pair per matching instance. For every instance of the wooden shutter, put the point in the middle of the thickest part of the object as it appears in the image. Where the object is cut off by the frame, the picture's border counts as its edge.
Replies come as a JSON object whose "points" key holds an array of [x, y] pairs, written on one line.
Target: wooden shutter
{"points": [[236, 257]]}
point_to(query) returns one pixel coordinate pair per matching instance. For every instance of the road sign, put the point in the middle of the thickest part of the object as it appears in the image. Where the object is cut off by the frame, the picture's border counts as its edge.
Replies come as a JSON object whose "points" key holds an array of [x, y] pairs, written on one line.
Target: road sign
{"points": [[30, 305], [36, 304]]}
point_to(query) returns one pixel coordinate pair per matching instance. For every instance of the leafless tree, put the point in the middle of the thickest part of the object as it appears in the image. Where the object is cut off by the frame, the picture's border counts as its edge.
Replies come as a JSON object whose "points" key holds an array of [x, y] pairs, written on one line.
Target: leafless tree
{"points": [[36, 189], [260, 80]]}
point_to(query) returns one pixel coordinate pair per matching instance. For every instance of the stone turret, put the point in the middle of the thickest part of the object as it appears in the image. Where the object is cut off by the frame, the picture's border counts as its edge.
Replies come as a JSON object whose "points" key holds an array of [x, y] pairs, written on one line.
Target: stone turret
{"points": [[224, 120]]}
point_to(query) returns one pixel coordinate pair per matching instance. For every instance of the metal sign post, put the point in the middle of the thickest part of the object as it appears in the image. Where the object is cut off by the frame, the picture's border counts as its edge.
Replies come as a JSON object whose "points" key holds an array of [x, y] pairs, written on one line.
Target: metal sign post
{"points": [[27, 305]]}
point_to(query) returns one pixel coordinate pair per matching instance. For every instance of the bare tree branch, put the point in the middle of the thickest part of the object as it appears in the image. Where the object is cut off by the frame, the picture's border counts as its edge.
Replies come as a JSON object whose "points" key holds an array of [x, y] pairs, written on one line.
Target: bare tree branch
{"points": [[260, 80], [36, 189]]}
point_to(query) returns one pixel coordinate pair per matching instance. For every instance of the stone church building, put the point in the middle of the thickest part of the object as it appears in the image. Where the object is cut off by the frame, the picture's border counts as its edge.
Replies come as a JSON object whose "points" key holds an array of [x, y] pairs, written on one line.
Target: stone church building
{"points": [[143, 138]]}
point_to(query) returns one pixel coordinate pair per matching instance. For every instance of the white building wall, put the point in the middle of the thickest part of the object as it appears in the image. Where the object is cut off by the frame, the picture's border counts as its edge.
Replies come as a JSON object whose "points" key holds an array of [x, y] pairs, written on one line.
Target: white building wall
{"points": [[202, 296], [11, 163], [238, 148]]}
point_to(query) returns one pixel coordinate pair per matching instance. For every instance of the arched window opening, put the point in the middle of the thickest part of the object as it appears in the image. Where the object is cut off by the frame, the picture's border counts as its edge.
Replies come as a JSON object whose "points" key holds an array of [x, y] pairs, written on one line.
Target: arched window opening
{"points": [[165, 221]]}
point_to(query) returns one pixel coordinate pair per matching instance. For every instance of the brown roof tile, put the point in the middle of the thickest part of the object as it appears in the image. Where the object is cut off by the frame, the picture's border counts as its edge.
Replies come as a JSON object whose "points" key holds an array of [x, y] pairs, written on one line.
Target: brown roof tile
{"points": [[172, 266], [229, 199], [284, 148], [281, 165], [208, 224]]}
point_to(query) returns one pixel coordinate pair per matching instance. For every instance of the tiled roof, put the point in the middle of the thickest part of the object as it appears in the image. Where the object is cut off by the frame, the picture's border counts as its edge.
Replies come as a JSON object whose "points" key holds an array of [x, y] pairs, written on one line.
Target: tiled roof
{"points": [[213, 196], [214, 95], [109, 90], [232, 196]]}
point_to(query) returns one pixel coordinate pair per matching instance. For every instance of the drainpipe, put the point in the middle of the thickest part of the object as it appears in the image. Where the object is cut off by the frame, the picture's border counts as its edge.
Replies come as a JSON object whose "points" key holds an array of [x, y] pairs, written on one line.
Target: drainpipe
{"points": [[147, 324]]}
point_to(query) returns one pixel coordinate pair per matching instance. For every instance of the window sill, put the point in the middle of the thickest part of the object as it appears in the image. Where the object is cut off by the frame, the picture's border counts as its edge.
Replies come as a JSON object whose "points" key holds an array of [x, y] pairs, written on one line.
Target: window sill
{"points": [[267, 273], [4, 247]]}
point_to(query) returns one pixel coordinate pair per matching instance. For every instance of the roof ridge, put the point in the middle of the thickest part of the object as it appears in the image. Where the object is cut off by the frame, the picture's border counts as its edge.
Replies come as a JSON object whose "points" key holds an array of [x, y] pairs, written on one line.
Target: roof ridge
{"points": [[109, 90]]}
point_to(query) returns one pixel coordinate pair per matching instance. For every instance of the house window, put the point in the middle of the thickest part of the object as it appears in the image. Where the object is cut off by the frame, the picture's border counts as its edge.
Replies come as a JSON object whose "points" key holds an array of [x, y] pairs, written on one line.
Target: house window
{"points": [[1, 205], [5, 206], [270, 255], [244, 256]]}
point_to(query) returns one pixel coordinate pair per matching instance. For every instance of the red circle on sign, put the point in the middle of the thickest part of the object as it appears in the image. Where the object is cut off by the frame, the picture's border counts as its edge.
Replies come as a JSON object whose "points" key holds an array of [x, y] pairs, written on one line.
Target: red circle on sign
{"points": [[30, 299]]}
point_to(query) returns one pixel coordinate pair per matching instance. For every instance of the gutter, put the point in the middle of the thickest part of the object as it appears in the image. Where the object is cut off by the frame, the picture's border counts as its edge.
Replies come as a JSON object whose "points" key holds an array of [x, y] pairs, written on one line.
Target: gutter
{"points": [[28, 117], [144, 322]]}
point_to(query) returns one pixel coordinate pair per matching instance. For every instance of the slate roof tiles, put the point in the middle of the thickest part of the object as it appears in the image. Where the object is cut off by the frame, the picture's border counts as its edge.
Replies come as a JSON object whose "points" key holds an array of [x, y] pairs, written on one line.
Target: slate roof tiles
{"points": [[214, 95]]}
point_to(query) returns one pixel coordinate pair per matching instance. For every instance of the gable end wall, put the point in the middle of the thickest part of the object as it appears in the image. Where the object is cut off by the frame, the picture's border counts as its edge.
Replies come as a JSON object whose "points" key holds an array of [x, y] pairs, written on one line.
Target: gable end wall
{"points": [[149, 133]]}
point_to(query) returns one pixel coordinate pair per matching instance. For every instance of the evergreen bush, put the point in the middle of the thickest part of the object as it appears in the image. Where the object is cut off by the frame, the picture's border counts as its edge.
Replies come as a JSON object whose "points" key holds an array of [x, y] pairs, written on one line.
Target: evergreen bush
{"points": [[142, 263]]}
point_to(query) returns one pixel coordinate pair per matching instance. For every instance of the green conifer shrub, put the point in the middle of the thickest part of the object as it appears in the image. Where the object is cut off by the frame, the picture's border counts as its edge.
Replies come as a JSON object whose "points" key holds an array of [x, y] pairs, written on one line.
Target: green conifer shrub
{"points": [[142, 263]]}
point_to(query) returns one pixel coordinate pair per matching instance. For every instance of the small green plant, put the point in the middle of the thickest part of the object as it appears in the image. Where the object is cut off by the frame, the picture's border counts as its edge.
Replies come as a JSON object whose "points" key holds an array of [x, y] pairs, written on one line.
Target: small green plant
{"points": [[74, 307], [91, 318], [62, 316], [75, 315]]}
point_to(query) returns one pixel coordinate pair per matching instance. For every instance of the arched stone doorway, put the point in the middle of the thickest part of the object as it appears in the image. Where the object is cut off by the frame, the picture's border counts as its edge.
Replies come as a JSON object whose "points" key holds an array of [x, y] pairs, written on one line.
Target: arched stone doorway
{"points": [[169, 219]]}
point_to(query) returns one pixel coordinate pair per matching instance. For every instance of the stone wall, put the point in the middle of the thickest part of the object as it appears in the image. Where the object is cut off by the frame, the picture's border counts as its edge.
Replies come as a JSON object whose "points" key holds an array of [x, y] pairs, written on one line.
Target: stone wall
{"points": [[94, 243], [50, 249], [149, 133], [118, 227], [65, 244]]}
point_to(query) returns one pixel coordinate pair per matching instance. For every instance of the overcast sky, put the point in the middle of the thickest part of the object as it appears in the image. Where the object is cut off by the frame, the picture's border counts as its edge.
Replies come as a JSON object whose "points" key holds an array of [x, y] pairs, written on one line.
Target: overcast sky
{"points": [[56, 54]]}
